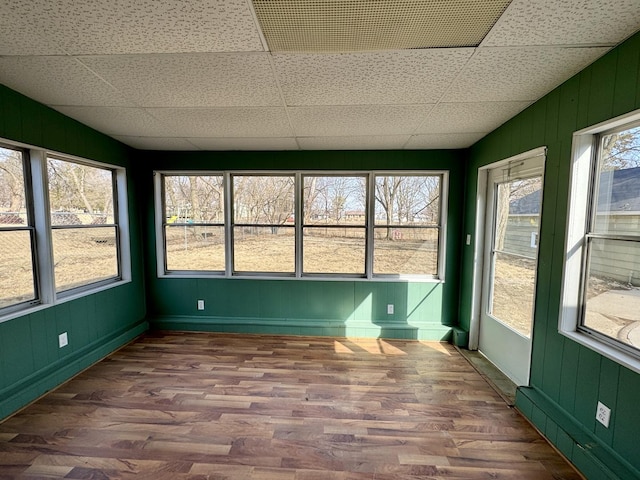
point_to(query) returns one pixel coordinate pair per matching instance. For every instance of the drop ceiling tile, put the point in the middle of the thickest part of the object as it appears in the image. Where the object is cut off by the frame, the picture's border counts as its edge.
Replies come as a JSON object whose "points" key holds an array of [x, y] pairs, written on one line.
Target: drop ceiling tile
{"points": [[224, 122], [576, 22], [398, 77], [191, 80], [376, 142], [18, 38], [156, 143], [357, 120], [57, 81], [141, 26], [333, 26], [443, 140], [274, 143], [118, 120], [470, 117], [518, 73]]}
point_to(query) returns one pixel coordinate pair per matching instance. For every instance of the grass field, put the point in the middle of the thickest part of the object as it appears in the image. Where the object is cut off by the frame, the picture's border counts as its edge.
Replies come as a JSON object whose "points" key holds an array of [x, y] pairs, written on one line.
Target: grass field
{"points": [[83, 256]]}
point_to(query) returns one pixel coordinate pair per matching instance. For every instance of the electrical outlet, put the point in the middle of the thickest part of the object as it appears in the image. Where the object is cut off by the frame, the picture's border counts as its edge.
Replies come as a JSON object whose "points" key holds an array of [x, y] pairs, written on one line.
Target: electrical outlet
{"points": [[603, 414], [390, 309], [200, 304], [63, 340], [468, 239]]}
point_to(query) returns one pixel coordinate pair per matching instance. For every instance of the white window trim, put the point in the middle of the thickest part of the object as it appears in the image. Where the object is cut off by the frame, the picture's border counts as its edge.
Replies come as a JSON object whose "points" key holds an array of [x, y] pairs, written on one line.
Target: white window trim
{"points": [[582, 158], [298, 174], [43, 267]]}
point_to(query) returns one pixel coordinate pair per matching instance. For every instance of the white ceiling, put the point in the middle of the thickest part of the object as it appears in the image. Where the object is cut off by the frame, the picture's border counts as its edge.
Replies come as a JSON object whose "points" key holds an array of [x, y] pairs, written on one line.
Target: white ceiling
{"points": [[198, 75]]}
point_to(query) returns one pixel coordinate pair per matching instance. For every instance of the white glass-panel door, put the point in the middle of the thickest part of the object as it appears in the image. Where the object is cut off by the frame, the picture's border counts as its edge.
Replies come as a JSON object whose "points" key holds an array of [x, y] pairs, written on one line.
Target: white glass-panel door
{"points": [[514, 204]]}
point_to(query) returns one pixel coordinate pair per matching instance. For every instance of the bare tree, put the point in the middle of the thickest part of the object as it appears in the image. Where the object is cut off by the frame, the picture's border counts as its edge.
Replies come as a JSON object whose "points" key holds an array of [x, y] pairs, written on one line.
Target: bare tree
{"points": [[73, 186], [411, 199], [11, 180]]}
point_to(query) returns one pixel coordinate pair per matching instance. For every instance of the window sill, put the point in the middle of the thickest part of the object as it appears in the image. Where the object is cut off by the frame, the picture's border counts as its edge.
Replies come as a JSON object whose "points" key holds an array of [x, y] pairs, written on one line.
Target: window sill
{"points": [[29, 309], [316, 277]]}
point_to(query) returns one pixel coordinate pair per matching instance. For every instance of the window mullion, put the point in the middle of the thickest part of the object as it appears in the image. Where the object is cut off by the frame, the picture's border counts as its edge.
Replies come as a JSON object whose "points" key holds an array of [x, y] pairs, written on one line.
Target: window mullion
{"points": [[42, 224], [228, 221], [370, 209], [298, 218]]}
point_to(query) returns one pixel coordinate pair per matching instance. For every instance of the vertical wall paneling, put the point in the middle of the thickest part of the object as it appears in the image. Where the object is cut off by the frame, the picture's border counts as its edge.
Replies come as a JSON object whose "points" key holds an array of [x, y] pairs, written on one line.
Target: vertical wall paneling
{"points": [[567, 380], [30, 360]]}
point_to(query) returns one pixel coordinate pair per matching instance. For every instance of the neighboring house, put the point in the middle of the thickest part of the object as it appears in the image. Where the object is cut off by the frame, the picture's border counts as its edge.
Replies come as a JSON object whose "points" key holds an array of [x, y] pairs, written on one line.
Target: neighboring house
{"points": [[618, 210]]}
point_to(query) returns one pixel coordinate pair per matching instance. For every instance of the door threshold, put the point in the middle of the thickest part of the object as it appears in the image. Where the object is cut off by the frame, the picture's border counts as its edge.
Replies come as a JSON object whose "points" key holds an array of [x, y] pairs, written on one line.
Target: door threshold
{"points": [[492, 374]]}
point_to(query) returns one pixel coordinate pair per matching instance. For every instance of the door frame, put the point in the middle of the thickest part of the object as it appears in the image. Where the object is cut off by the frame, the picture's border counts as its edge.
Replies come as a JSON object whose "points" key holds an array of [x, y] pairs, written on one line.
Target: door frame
{"points": [[480, 234]]}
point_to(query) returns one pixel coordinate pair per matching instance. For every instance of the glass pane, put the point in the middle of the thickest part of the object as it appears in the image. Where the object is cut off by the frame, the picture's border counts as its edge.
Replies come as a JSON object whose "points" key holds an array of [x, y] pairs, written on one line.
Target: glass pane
{"points": [[79, 194], [618, 195], [264, 249], [334, 250], [83, 256], [613, 292], [408, 200], [194, 199], [518, 217], [263, 199], [12, 198], [513, 291], [335, 200], [195, 247], [16, 268], [412, 251]]}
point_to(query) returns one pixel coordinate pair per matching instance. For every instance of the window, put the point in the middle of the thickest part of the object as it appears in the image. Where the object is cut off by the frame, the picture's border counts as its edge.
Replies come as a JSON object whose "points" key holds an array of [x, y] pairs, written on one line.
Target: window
{"points": [[407, 225], [301, 224], [63, 228], [193, 222], [84, 230], [17, 273], [263, 225], [334, 224], [603, 244]]}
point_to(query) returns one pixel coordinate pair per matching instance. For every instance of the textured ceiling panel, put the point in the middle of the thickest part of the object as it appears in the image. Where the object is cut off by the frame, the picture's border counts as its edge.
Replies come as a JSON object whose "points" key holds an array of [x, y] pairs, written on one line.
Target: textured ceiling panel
{"points": [[16, 39], [57, 81], [357, 120], [550, 22], [519, 73], [193, 80], [273, 143], [141, 26], [469, 117], [402, 77], [224, 122], [156, 143], [395, 142], [357, 25], [118, 120], [443, 140]]}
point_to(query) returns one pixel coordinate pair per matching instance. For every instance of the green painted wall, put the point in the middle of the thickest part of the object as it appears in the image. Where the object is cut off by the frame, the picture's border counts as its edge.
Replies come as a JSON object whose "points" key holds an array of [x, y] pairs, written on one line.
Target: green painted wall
{"points": [[309, 307], [30, 361], [567, 379]]}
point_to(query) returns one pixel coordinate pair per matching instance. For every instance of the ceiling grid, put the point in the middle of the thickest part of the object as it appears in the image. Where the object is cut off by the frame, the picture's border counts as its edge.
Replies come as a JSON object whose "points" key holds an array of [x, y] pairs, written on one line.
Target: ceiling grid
{"points": [[301, 74]]}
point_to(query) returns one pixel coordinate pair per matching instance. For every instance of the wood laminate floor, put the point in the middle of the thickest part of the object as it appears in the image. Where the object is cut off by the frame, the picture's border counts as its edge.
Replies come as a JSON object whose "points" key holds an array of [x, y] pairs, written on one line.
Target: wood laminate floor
{"points": [[210, 406]]}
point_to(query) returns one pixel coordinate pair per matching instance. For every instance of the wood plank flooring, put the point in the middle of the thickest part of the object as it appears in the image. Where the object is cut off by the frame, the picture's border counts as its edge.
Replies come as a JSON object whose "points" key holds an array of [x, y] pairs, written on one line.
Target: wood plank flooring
{"points": [[191, 406]]}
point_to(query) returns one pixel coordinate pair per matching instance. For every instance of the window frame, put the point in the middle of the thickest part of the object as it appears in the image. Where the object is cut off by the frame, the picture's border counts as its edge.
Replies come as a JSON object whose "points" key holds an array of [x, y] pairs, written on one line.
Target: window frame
{"points": [[233, 224], [38, 207], [114, 191], [30, 227], [442, 196], [299, 175], [162, 218], [364, 226], [581, 213]]}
